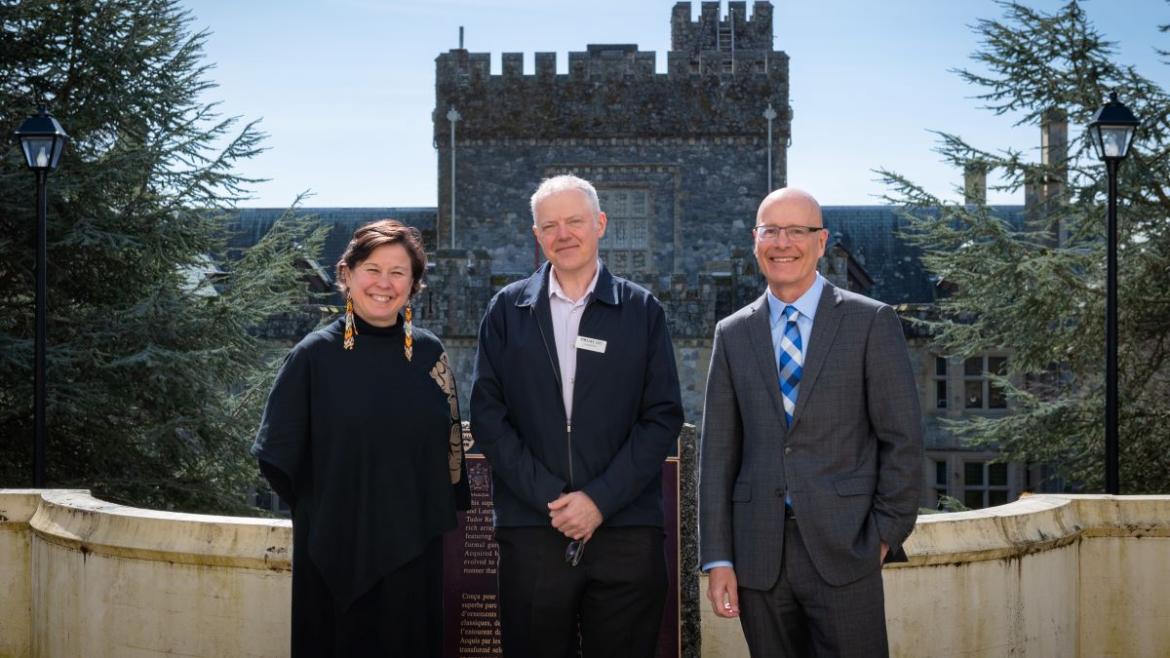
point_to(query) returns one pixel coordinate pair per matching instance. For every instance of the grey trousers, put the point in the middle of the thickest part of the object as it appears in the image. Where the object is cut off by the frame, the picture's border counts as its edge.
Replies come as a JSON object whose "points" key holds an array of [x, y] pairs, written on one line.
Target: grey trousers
{"points": [[802, 615]]}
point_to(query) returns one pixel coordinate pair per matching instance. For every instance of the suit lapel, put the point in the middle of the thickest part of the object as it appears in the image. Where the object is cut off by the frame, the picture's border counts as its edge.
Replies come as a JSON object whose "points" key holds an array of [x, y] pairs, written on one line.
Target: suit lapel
{"points": [[760, 330], [824, 330]]}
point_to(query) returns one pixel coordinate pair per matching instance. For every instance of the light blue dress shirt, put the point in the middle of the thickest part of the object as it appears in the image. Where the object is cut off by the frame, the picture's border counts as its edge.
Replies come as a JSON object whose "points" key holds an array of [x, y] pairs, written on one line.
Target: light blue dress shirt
{"points": [[806, 305]]}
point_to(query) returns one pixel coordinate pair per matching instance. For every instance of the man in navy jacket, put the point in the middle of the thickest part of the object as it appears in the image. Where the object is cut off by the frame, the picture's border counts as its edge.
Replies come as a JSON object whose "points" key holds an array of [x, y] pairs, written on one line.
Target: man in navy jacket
{"points": [[576, 404]]}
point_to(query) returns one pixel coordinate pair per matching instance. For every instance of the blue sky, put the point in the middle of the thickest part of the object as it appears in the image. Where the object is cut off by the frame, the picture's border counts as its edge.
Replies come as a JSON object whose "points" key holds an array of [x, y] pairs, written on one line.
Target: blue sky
{"points": [[345, 88]]}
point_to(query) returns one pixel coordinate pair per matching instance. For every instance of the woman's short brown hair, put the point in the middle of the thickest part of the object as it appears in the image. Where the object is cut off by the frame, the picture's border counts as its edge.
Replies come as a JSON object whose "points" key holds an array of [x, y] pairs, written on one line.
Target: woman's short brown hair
{"points": [[379, 234]]}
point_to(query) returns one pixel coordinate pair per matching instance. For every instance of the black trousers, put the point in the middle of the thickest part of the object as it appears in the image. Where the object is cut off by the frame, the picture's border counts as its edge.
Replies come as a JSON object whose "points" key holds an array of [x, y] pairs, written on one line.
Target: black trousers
{"points": [[802, 615], [401, 616], [608, 606]]}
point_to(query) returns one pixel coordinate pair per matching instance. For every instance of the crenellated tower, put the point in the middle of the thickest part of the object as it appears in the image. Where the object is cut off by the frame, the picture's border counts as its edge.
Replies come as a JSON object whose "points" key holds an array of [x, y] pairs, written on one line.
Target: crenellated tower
{"points": [[680, 158]]}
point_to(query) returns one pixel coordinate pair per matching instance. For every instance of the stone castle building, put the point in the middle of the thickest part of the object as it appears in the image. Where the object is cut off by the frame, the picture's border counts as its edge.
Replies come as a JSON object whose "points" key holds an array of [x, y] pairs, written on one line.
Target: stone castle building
{"points": [[680, 160]]}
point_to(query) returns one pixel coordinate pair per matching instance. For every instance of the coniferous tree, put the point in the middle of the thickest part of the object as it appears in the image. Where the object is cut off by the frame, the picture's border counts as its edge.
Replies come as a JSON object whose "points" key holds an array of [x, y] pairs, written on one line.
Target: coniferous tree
{"points": [[1042, 297], [155, 372]]}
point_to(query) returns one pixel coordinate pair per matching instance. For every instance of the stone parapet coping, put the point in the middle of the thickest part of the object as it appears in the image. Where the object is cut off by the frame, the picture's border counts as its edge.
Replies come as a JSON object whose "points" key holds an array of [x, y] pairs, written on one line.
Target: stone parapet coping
{"points": [[1032, 524], [76, 520], [17, 506]]}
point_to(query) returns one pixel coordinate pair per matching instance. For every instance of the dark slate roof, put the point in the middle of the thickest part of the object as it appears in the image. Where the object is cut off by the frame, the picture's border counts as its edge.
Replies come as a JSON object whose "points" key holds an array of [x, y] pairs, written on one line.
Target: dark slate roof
{"points": [[871, 234], [251, 224]]}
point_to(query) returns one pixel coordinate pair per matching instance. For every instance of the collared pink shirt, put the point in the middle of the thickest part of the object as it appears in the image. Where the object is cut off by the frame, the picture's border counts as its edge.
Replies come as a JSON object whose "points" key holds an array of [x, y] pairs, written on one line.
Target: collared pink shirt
{"points": [[566, 321]]}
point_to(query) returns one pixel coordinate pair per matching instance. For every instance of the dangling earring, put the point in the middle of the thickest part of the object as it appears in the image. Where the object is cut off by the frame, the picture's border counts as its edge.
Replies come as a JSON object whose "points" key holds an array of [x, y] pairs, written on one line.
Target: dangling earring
{"points": [[350, 330], [407, 328]]}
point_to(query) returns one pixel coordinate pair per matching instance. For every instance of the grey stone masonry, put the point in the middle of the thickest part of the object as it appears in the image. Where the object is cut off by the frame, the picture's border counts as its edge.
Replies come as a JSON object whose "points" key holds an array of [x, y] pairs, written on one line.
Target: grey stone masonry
{"points": [[680, 158], [733, 33]]}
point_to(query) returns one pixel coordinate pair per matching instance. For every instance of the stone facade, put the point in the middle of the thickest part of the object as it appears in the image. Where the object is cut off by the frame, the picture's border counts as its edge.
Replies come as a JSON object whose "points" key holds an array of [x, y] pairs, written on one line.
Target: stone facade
{"points": [[679, 158]]}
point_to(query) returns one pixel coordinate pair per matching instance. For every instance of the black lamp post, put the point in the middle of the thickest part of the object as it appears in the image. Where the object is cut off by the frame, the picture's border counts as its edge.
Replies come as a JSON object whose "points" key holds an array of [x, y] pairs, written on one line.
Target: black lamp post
{"points": [[42, 140], [1111, 133]]}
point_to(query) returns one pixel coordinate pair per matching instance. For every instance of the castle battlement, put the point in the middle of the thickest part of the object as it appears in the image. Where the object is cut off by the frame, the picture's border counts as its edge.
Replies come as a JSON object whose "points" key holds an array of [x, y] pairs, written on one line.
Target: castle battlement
{"points": [[731, 32], [598, 60], [605, 61], [721, 74], [714, 45]]}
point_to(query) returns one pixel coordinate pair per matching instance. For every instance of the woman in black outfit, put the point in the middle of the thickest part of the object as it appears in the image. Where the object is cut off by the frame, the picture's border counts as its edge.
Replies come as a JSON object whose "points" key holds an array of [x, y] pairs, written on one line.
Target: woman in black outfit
{"points": [[361, 437]]}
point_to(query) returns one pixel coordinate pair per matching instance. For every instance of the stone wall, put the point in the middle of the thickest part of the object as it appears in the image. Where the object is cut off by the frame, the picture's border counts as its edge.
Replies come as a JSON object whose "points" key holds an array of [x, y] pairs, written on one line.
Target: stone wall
{"points": [[1050, 575], [82, 577], [17, 507], [1045, 576], [700, 193]]}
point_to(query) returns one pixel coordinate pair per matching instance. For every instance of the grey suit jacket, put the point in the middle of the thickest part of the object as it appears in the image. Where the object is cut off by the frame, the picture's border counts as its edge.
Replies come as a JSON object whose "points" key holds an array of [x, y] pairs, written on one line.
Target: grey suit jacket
{"points": [[851, 461]]}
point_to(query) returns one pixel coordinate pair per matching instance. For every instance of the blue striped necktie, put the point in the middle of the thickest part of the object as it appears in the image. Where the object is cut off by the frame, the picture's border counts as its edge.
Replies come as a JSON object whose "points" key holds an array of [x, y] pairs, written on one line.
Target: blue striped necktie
{"points": [[791, 362]]}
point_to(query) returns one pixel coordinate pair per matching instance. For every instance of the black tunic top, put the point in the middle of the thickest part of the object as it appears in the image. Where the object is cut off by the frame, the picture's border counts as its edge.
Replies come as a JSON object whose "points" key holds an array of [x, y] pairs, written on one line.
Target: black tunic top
{"points": [[366, 448]]}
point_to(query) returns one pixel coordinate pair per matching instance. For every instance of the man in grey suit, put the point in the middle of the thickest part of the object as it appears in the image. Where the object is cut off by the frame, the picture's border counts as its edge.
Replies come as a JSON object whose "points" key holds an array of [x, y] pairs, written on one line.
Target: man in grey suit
{"points": [[811, 453]]}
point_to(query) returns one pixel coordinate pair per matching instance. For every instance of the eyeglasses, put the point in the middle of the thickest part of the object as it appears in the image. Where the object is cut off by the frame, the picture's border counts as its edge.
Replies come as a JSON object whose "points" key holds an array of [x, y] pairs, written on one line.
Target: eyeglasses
{"points": [[771, 232], [574, 551]]}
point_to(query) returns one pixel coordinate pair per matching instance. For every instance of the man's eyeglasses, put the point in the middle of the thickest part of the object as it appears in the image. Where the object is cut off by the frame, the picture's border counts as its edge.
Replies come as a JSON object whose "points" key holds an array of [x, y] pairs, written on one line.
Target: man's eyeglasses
{"points": [[574, 551], [771, 232]]}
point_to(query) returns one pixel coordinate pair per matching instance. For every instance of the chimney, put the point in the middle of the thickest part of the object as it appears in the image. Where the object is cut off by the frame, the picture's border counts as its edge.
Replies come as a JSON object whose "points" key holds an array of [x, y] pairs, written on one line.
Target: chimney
{"points": [[975, 183], [1054, 158]]}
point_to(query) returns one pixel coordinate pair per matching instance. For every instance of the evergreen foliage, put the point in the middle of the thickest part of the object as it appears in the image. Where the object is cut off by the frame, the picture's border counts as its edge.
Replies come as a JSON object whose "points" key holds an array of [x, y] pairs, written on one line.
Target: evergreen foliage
{"points": [[155, 372], [1043, 299]]}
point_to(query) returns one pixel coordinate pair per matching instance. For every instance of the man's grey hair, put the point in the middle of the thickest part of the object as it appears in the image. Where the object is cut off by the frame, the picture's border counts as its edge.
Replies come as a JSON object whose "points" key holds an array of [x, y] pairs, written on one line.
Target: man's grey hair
{"points": [[564, 183]]}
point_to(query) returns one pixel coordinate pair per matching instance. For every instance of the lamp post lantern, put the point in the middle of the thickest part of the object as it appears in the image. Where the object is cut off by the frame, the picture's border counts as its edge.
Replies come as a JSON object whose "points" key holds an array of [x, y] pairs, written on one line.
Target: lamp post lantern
{"points": [[1111, 133], [42, 140]]}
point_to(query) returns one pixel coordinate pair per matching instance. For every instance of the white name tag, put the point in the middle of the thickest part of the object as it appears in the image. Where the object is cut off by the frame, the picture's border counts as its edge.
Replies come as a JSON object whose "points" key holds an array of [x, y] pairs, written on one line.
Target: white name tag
{"points": [[591, 344]]}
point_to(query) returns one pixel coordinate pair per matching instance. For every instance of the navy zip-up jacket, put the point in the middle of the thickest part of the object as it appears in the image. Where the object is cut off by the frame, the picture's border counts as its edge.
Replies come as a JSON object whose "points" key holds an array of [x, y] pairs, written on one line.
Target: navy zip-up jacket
{"points": [[627, 409]]}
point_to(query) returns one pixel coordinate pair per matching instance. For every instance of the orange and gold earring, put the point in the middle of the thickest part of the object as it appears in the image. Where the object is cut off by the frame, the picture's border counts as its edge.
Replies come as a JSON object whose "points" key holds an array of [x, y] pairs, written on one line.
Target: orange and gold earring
{"points": [[350, 330], [408, 328]]}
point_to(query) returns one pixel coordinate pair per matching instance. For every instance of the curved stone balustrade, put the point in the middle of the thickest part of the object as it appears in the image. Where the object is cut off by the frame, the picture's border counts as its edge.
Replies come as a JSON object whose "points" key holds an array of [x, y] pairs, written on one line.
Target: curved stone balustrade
{"points": [[1047, 575], [89, 578], [1044, 576]]}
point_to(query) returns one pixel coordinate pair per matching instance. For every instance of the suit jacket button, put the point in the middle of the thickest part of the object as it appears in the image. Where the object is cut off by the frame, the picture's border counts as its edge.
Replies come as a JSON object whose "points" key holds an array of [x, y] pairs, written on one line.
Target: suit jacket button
{"points": [[787, 450]]}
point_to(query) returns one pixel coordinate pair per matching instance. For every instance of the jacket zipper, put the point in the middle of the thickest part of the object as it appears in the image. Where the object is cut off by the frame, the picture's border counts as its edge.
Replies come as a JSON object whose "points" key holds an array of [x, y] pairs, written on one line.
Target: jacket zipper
{"points": [[569, 447], [560, 389], [569, 421]]}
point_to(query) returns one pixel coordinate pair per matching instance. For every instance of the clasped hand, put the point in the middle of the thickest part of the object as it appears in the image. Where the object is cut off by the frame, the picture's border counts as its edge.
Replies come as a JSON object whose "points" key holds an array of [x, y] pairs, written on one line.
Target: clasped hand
{"points": [[575, 515]]}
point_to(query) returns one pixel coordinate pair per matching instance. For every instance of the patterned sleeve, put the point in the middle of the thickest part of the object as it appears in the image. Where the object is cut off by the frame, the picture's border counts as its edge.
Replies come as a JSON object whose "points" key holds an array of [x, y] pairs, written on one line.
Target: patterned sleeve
{"points": [[456, 467]]}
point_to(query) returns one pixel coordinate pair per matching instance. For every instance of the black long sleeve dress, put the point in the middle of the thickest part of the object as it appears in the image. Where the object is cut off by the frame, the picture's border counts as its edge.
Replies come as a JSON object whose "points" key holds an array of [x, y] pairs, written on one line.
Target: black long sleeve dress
{"points": [[366, 448]]}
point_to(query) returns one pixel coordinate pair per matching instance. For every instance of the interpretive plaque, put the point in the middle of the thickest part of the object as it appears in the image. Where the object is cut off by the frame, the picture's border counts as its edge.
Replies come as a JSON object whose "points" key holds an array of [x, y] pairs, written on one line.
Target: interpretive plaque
{"points": [[471, 624]]}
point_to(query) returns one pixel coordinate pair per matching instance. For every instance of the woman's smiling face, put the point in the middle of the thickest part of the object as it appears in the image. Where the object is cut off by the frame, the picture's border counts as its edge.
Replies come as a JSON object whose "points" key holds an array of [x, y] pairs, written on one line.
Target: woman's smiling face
{"points": [[380, 285]]}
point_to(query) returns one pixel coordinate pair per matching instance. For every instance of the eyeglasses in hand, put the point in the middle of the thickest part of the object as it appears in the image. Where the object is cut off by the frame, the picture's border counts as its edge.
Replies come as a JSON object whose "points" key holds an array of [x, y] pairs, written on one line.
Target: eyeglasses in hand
{"points": [[574, 551]]}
